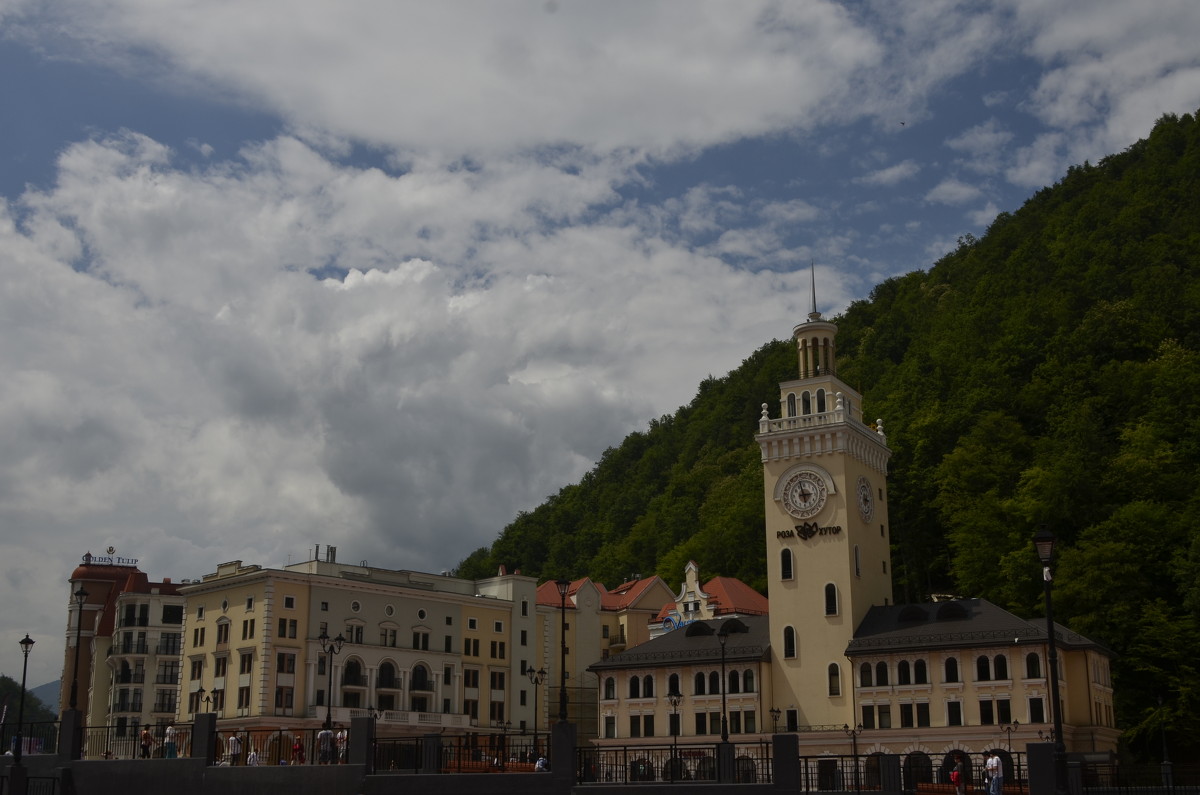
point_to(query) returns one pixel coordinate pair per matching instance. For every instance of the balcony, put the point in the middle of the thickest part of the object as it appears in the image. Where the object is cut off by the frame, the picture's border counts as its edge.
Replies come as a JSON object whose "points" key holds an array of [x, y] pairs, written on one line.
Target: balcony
{"points": [[398, 718], [354, 680], [135, 678], [132, 648], [164, 706]]}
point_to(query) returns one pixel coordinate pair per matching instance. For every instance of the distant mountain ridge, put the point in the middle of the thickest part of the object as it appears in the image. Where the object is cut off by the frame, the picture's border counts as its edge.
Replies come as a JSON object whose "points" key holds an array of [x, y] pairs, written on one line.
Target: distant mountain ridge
{"points": [[1048, 372]]}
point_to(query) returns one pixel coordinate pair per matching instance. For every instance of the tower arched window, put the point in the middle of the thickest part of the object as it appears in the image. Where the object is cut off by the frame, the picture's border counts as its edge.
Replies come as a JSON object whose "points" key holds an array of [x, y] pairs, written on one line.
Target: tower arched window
{"points": [[835, 680], [983, 669], [831, 600], [698, 685], [806, 403], [714, 682], [748, 681], [920, 673], [647, 686], [791, 404], [785, 564], [864, 675], [881, 674], [1033, 666], [952, 669], [635, 687], [610, 688], [673, 684], [1000, 666], [789, 642], [735, 682], [821, 401], [903, 675]]}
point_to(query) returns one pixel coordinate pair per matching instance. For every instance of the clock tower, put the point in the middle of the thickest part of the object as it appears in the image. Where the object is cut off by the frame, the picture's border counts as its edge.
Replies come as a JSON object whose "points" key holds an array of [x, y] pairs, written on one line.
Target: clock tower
{"points": [[827, 536]]}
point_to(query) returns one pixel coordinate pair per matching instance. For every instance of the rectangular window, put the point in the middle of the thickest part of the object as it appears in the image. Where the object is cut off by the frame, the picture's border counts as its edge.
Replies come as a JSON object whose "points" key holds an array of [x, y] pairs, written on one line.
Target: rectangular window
{"points": [[750, 724], [610, 726], [923, 714], [524, 607], [289, 602], [172, 614], [986, 715], [448, 644], [885, 716], [497, 680], [735, 722], [249, 602], [284, 698], [447, 674], [198, 637], [701, 723], [604, 631], [324, 607], [1037, 710], [282, 628], [222, 633], [248, 629], [954, 713], [635, 725], [523, 697], [524, 637], [868, 716], [285, 663], [714, 722], [793, 720], [218, 700], [220, 667], [471, 708], [200, 612], [421, 641], [906, 716], [496, 710], [497, 626], [387, 637], [472, 623], [197, 669], [470, 677], [246, 664], [1003, 710], [243, 698]]}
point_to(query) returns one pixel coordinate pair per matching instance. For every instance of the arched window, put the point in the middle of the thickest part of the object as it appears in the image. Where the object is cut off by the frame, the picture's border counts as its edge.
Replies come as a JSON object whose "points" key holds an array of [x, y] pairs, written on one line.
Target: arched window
{"points": [[952, 669], [735, 682], [791, 405], [714, 682], [1033, 666], [1000, 666], [785, 564], [610, 688], [647, 686], [748, 681], [635, 687], [352, 673], [831, 600], [387, 675], [920, 673], [902, 673], [806, 403], [789, 643], [820, 401], [420, 678], [864, 675], [673, 684], [698, 685], [881, 674], [983, 669], [835, 680]]}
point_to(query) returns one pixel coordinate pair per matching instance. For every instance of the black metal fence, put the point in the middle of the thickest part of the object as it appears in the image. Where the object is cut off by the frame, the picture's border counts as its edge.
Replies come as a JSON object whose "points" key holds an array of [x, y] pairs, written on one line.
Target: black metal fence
{"points": [[1136, 779], [162, 741], [671, 764], [36, 738], [281, 747]]}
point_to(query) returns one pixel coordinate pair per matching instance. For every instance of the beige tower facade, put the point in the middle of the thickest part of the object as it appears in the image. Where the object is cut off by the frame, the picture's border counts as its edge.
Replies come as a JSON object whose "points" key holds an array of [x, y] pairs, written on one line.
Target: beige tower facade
{"points": [[827, 537]]}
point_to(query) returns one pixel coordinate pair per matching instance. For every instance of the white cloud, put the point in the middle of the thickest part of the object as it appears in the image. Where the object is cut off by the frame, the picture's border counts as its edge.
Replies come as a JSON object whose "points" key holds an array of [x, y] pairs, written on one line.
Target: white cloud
{"points": [[891, 175], [952, 191]]}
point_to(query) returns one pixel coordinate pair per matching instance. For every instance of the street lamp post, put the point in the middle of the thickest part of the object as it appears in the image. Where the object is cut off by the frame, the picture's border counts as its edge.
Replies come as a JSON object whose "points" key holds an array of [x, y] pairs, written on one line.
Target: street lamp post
{"points": [[853, 735], [80, 597], [723, 638], [1043, 540], [775, 713], [330, 647], [26, 646], [674, 698], [563, 587], [1008, 729], [535, 678]]}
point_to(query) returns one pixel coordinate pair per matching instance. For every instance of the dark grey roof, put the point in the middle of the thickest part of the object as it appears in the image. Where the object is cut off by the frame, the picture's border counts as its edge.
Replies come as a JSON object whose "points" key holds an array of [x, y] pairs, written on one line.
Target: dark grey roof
{"points": [[696, 643], [958, 623]]}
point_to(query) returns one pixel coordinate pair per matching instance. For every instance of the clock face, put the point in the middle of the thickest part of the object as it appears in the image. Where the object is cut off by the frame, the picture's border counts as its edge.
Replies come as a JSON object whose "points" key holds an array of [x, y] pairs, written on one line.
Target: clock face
{"points": [[803, 494], [866, 499]]}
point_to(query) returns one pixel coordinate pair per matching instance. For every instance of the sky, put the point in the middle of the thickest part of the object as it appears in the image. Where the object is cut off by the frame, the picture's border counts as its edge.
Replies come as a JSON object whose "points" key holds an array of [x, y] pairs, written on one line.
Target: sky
{"points": [[382, 274]]}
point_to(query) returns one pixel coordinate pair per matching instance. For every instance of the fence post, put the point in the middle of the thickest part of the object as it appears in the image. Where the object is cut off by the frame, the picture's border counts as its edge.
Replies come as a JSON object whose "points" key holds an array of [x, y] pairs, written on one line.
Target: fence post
{"points": [[785, 762], [70, 735], [362, 743], [431, 753], [204, 737]]}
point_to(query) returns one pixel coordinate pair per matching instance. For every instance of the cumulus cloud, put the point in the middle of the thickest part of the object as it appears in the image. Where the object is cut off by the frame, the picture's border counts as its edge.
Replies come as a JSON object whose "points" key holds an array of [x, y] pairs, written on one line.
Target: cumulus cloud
{"points": [[890, 175]]}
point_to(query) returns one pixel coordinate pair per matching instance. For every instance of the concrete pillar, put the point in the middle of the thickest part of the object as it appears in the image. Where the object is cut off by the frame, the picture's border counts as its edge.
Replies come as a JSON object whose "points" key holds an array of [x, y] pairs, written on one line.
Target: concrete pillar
{"points": [[562, 760], [362, 743], [204, 737], [70, 734], [431, 753], [725, 765], [785, 762]]}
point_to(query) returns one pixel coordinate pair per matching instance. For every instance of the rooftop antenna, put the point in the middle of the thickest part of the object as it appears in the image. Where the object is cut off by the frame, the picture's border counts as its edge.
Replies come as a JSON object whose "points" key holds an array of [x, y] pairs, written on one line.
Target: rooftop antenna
{"points": [[813, 314]]}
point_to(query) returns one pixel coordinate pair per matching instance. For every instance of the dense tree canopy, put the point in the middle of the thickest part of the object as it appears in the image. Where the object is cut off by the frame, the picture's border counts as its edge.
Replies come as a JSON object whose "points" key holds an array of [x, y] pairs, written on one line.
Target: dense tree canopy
{"points": [[1048, 372]]}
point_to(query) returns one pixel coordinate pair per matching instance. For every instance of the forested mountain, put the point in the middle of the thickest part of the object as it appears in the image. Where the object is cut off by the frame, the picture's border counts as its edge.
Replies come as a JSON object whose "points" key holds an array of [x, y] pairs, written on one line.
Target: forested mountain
{"points": [[1048, 372]]}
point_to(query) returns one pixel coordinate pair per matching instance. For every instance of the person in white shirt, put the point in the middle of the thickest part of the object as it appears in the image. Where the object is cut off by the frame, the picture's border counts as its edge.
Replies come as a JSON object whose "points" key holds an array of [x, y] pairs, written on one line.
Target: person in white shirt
{"points": [[995, 771]]}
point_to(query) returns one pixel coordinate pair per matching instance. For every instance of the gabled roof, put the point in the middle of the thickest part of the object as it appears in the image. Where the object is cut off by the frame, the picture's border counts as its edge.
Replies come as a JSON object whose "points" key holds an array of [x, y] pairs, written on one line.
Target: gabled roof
{"points": [[728, 595], [547, 593], [697, 643], [958, 623], [627, 594]]}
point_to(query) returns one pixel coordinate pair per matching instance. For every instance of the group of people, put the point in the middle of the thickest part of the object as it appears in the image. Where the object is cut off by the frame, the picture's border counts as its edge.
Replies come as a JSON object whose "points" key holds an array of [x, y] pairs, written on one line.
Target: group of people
{"points": [[993, 768], [331, 749], [147, 742]]}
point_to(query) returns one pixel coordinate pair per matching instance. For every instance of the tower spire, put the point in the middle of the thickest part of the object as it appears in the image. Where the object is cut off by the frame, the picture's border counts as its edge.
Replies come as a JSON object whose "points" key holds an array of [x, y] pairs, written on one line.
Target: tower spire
{"points": [[813, 313]]}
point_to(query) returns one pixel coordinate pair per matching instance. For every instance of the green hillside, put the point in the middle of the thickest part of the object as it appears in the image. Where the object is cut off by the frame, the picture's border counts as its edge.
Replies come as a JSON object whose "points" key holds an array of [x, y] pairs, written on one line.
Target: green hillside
{"points": [[1048, 372]]}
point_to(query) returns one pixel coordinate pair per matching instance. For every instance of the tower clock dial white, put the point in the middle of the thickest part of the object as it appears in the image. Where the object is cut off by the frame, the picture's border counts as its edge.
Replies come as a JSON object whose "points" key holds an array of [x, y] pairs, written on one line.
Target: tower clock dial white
{"points": [[803, 494], [865, 498]]}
